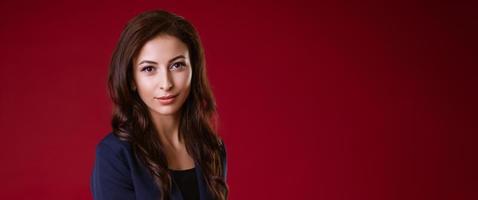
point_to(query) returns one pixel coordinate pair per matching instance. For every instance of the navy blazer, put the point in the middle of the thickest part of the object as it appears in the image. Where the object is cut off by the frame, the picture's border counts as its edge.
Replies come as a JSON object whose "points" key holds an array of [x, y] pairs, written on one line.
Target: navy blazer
{"points": [[117, 175]]}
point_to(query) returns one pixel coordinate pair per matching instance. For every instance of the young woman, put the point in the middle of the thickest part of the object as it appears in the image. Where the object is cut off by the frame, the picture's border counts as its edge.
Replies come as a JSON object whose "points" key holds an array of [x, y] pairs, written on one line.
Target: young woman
{"points": [[163, 144]]}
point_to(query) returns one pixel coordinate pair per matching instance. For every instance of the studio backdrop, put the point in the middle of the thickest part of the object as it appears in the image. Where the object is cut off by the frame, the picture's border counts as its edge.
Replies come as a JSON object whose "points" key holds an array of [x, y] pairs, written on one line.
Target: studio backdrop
{"points": [[328, 100]]}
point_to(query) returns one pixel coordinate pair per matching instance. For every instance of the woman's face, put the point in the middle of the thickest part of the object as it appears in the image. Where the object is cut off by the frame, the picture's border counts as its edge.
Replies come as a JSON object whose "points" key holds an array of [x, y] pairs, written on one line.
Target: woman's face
{"points": [[162, 70]]}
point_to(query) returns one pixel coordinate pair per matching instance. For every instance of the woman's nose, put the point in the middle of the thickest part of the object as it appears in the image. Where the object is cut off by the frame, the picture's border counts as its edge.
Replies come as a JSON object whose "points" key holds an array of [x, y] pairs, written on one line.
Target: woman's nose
{"points": [[166, 82]]}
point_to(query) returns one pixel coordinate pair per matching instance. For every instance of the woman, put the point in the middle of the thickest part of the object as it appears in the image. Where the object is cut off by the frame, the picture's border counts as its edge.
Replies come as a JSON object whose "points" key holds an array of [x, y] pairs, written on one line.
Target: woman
{"points": [[163, 144]]}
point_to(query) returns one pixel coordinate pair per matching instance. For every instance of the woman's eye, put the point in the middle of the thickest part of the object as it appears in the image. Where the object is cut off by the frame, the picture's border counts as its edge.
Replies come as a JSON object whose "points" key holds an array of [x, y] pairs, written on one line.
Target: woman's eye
{"points": [[177, 65], [147, 69]]}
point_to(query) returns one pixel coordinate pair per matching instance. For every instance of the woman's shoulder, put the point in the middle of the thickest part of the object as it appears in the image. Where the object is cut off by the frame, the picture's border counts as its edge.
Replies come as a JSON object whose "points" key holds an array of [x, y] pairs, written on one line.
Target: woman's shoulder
{"points": [[112, 169], [111, 145]]}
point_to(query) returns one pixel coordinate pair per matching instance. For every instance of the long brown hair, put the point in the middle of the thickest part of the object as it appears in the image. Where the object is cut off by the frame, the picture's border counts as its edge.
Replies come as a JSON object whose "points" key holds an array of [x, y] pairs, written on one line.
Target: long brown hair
{"points": [[131, 119]]}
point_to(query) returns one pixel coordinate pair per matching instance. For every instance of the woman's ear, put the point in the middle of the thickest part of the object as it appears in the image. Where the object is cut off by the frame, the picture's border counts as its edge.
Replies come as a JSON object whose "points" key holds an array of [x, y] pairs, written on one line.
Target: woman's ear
{"points": [[133, 86]]}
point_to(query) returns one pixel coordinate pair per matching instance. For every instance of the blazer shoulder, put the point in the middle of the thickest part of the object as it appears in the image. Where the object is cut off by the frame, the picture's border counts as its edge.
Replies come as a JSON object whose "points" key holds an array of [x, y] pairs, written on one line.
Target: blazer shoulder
{"points": [[113, 142], [112, 170], [112, 146]]}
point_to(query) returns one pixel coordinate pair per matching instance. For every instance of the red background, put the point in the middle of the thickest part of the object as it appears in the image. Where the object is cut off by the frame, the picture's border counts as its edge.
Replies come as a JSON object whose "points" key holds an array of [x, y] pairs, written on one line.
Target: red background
{"points": [[317, 100]]}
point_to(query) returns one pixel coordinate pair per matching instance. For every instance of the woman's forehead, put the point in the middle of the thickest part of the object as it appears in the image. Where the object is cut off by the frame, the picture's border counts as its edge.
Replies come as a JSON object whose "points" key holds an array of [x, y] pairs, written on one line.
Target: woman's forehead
{"points": [[162, 49]]}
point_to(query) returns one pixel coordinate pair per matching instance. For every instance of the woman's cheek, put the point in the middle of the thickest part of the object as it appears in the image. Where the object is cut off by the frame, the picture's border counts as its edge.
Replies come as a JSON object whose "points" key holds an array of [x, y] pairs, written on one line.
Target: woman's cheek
{"points": [[145, 88]]}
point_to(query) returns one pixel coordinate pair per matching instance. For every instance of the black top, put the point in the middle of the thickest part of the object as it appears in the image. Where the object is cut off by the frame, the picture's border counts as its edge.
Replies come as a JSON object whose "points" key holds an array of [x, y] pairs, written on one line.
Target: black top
{"points": [[187, 183]]}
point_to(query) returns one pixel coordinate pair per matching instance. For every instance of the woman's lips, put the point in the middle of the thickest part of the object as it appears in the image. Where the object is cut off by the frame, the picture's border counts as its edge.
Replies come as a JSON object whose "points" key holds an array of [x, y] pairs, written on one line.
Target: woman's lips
{"points": [[168, 99]]}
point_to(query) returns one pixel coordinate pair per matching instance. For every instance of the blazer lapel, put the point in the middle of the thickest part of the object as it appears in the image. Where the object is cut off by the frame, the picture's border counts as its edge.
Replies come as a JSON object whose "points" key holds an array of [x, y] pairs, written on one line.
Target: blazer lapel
{"points": [[202, 186]]}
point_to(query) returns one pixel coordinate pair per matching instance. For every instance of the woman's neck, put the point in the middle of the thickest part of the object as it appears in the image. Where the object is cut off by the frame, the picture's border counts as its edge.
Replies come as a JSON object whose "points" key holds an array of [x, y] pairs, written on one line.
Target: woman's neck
{"points": [[174, 148], [168, 130]]}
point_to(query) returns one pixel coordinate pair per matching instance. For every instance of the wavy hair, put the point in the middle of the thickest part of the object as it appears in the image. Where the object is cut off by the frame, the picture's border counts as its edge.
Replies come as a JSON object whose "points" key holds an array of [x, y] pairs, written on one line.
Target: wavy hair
{"points": [[132, 121]]}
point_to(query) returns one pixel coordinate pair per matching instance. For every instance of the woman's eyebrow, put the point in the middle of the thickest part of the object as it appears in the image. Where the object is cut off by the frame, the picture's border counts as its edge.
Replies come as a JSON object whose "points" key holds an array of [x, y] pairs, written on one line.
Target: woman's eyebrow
{"points": [[155, 63], [147, 61], [177, 57]]}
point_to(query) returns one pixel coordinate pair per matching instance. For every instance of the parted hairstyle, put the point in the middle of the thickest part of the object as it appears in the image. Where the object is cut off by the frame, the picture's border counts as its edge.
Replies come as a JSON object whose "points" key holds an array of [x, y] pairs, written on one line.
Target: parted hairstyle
{"points": [[132, 121]]}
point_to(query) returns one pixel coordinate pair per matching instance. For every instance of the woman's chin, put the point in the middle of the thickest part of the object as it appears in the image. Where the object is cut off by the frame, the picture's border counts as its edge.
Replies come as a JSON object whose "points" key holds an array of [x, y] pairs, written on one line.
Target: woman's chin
{"points": [[165, 111]]}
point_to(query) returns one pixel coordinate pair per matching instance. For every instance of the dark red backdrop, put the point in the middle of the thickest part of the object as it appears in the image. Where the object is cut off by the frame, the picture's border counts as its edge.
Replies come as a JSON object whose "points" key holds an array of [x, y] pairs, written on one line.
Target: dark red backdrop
{"points": [[330, 100]]}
